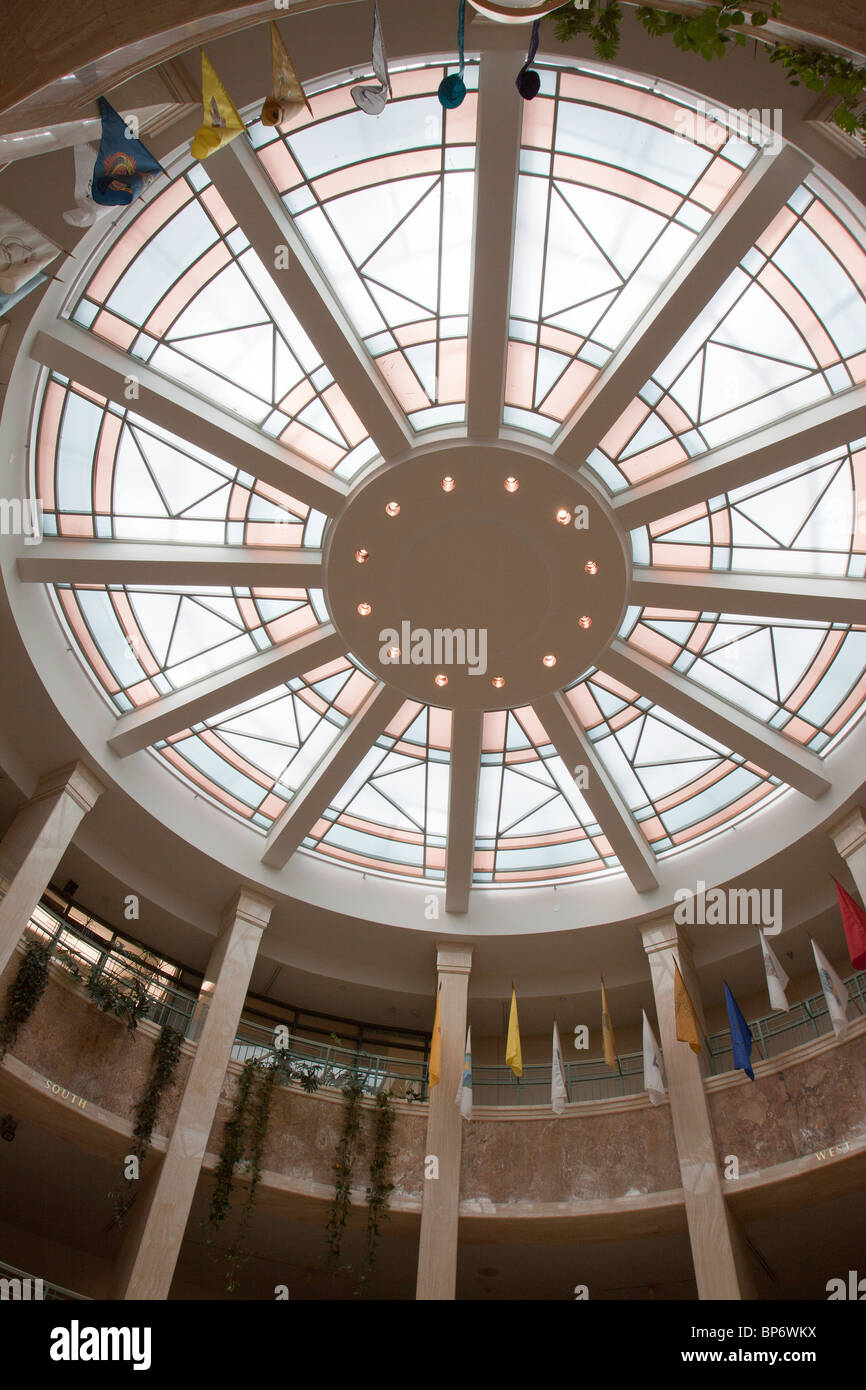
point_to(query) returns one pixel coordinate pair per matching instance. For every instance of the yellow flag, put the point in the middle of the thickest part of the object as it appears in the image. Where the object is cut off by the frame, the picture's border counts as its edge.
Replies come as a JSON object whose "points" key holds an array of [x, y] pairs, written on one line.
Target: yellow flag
{"points": [[287, 97], [607, 1030], [513, 1055], [435, 1064], [221, 120], [688, 1029]]}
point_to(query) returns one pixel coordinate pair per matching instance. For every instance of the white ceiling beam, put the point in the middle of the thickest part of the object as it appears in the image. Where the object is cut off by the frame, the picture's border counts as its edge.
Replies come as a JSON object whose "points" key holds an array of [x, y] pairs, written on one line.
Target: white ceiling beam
{"points": [[500, 125], [717, 718], [803, 435], [325, 781], [245, 187], [225, 689], [809, 598], [466, 730], [601, 793], [209, 566], [748, 211], [93, 363]]}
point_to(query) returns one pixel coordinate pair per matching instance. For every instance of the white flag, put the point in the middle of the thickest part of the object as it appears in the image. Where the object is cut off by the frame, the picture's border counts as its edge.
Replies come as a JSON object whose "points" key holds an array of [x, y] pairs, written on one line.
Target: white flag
{"points": [[653, 1080], [558, 1087], [373, 100], [777, 980], [86, 210], [834, 992], [463, 1097], [24, 252]]}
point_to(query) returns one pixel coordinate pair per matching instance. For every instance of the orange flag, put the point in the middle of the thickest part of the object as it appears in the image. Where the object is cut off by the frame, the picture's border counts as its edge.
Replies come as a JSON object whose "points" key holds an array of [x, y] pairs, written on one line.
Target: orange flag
{"points": [[688, 1028]]}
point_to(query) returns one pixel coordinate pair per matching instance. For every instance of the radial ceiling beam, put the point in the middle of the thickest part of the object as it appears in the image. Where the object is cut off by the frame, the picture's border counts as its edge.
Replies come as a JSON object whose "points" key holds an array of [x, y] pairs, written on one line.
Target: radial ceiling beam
{"points": [[462, 807], [225, 689], [601, 793], [717, 718], [209, 566], [810, 598], [803, 435], [245, 187], [748, 211], [315, 796], [500, 123], [93, 363]]}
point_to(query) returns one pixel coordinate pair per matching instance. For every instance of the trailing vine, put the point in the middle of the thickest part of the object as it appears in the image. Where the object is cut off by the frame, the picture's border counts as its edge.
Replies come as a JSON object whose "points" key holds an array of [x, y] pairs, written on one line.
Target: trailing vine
{"points": [[711, 33], [127, 1001], [166, 1054], [232, 1149], [380, 1189], [256, 1136], [24, 992], [345, 1157]]}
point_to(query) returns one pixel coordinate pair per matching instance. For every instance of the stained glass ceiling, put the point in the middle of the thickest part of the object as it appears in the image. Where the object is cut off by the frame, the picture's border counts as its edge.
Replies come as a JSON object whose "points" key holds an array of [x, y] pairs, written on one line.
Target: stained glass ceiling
{"points": [[170, 511]]}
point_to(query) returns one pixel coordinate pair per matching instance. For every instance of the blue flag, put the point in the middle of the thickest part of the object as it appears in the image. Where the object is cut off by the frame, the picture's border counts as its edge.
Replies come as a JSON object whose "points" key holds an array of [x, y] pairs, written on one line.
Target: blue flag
{"points": [[741, 1036], [123, 166]]}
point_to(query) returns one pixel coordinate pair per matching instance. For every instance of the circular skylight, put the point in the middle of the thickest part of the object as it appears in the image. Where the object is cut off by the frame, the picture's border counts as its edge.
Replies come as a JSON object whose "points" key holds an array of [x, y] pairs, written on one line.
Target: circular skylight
{"points": [[274, 348]]}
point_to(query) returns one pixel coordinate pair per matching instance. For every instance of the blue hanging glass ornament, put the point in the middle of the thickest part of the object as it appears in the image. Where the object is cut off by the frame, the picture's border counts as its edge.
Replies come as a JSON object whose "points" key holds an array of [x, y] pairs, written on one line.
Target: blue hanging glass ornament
{"points": [[452, 89], [527, 82]]}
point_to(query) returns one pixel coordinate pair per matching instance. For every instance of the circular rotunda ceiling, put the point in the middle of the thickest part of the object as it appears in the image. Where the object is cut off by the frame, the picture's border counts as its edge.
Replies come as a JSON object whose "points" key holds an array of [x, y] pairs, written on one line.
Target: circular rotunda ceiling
{"points": [[659, 534]]}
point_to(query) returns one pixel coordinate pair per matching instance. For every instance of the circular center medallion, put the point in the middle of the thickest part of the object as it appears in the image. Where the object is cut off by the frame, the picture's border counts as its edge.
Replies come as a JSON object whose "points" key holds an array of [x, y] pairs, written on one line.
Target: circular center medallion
{"points": [[476, 576]]}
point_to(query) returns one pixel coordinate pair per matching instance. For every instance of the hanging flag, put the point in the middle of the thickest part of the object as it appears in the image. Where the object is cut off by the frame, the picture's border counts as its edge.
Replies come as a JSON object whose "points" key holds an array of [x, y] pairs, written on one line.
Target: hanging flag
{"points": [[741, 1035], [527, 82], [221, 120], [24, 253], [124, 166], [287, 97], [854, 923], [8, 301], [835, 992], [434, 1066], [688, 1029], [513, 1054], [372, 100], [452, 89], [463, 1097], [777, 980], [653, 1081], [558, 1086], [607, 1030], [86, 210]]}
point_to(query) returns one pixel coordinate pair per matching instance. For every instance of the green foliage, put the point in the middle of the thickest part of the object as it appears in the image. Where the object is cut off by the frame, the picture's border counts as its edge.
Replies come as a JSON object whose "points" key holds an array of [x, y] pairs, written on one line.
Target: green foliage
{"points": [[266, 1077], [166, 1054], [24, 992], [380, 1189], [232, 1149], [711, 32], [126, 999], [344, 1160]]}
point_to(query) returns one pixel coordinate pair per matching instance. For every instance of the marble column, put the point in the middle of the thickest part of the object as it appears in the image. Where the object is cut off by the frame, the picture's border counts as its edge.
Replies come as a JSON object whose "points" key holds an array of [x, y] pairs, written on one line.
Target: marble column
{"points": [[720, 1258], [35, 843], [437, 1251], [849, 837], [146, 1264]]}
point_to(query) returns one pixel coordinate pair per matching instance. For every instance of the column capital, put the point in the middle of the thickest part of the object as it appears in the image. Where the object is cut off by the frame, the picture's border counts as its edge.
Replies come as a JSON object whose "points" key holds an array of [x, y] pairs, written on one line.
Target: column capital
{"points": [[848, 833], [665, 934], [249, 905], [453, 957], [75, 780]]}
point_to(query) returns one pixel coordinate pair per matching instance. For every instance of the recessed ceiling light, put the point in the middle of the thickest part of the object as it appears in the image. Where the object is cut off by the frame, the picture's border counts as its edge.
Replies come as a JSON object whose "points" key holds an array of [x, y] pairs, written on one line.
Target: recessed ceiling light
{"points": [[362, 556], [441, 679], [498, 682], [584, 621], [448, 484], [511, 485], [393, 509], [364, 609], [549, 660], [591, 567], [393, 653], [563, 516]]}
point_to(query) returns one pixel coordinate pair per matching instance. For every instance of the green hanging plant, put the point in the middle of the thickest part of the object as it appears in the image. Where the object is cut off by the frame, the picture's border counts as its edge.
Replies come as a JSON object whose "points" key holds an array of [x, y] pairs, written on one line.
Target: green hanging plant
{"points": [[344, 1160], [24, 992], [255, 1140], [380, 1189], [128, 1000], [232, 1149], [711, 32], [166, 1055]]}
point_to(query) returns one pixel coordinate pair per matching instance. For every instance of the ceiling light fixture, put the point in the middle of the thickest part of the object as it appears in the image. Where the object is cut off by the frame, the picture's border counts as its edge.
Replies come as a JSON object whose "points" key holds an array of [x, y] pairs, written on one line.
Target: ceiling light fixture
{"points": [[393, 509], [591, 567], [364, 609], [563, 516], [549, 660], [448, 484], [441, 679], [362, 556], [584, 622], [498, 682], [511, 485]]}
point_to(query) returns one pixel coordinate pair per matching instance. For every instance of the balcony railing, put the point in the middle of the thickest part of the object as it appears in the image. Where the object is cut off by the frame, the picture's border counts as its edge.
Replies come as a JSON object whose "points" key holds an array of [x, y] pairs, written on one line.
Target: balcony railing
{"points": [[18, 1286], [334, 1066]]}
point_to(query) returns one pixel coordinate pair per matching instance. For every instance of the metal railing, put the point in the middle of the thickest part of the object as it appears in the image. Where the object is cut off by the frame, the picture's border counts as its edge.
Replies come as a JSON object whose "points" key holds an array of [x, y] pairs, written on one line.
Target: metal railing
{"points": [[333, 1066], [17, 1286]]}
